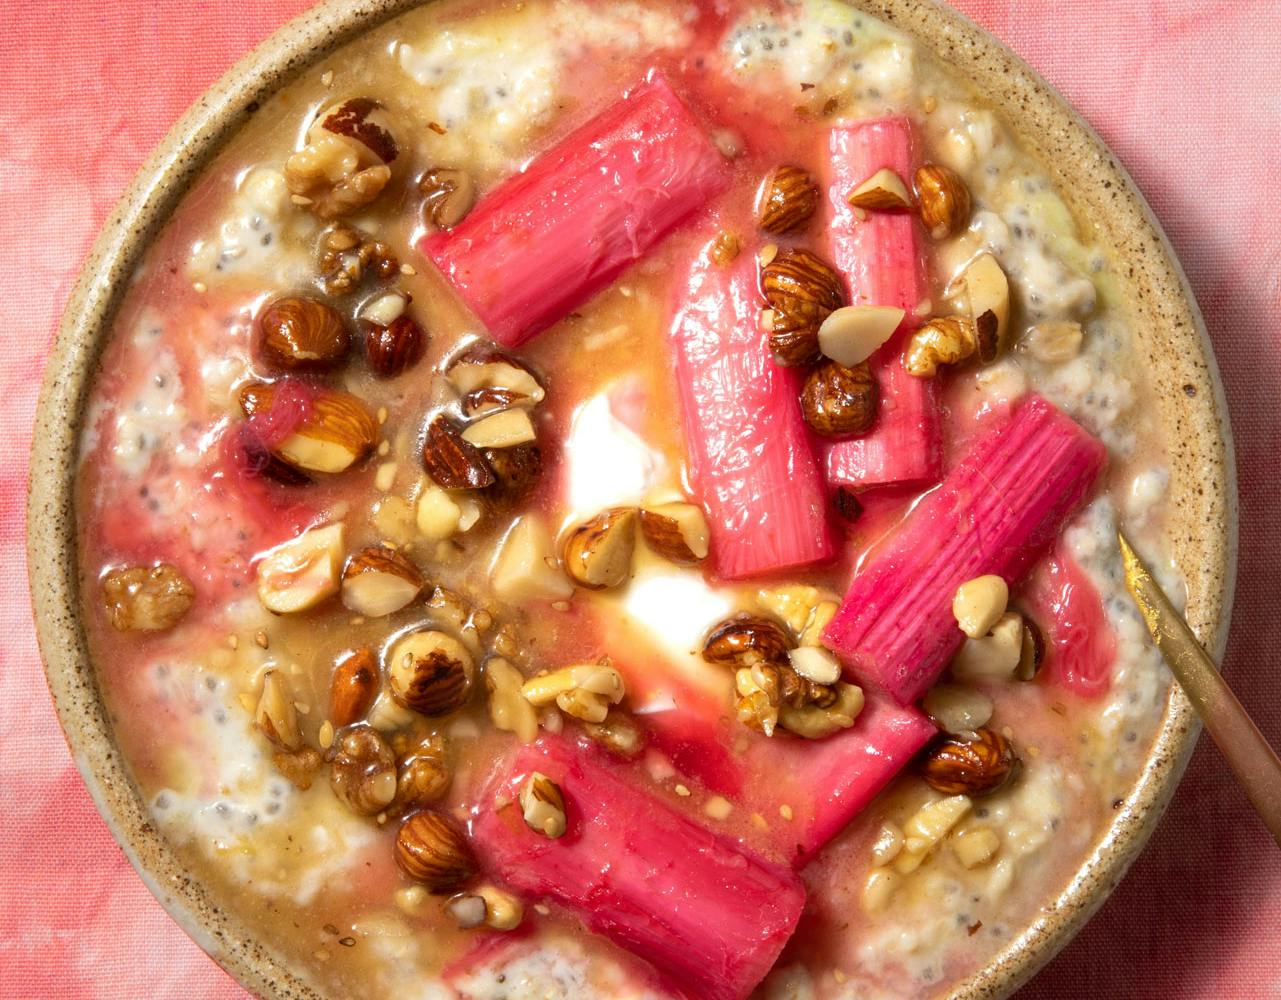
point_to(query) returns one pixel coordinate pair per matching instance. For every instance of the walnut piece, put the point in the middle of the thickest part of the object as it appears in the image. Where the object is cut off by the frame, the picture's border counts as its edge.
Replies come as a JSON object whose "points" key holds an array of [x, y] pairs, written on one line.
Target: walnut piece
{"points": [[146, 598], [328, 172]]}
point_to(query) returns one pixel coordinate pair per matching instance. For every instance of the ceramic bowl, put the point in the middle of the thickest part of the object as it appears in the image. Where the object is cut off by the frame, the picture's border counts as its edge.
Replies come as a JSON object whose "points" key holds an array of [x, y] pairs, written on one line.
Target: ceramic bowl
{"points": [[1166, 324]]}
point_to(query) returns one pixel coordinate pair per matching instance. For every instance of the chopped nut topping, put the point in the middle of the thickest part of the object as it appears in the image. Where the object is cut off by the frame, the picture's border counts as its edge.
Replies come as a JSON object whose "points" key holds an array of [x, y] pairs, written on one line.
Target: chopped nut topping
{"points": [[448, 196], [973, 764], [276, 716], [509, 710], [298, 767], [802, 291], [345, 256], [788, 199], [586, 692], [543, 806], [942, 198], [423, 774], [598, 553], [146, 598], [929, 825], [503, 911], [346, 162]]}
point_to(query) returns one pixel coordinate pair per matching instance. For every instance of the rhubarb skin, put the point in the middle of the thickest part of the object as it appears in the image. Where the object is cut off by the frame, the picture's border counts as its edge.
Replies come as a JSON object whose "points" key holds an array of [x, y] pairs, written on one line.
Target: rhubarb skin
{"points": [[549, 238], [880, 256], [751, 461], [1080, 647], [710, 918], [996, 512]]}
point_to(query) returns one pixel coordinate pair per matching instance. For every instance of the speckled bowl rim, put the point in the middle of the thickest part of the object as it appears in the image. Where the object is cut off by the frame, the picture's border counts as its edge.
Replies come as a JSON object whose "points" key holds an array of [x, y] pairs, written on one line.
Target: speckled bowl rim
{"points": [[1203, 523]]}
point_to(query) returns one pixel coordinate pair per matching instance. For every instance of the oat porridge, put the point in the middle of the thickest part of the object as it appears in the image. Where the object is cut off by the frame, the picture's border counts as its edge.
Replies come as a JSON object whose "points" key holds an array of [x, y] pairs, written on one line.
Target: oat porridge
{"points": [[620, 500]]}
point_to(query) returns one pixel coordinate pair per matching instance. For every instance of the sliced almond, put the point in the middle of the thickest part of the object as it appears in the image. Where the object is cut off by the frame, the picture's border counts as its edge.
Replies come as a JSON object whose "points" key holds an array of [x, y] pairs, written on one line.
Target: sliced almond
{"points": [[850, 335], [379, 581], [884, 191], [484, 367], [452, 462], [988, 290], [276, 716], [598, 553], [676, 531], [525, 567], [504, 429], [336, 432], [302, 572]]}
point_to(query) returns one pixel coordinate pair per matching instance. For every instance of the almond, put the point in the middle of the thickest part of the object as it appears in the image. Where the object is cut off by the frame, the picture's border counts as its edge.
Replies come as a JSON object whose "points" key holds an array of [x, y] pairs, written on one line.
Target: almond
{"points": [[448, 196], [525, 568], [802, 291], [988, 290], [837, 401], [452, 462], [787, 200], [975, 764], [394, 348], [335, 433], [598, 553], [379, 581], [483, 366], [352, 687], [504, 429], [295, 333], [747, 641], [430, 848], [884, 191], [942, 199], [300, 573], [676, 531], [430, 673], [852, 334]]}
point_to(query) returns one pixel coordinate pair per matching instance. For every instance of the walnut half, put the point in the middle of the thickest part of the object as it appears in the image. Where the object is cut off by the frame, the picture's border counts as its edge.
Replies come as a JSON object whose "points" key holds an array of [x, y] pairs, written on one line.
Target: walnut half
{"points": [[146, 598]]}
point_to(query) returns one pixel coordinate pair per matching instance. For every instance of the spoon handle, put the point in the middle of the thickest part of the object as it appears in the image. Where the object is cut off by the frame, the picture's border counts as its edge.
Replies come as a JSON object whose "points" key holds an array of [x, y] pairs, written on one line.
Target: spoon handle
{"points": [[1242, 745]]}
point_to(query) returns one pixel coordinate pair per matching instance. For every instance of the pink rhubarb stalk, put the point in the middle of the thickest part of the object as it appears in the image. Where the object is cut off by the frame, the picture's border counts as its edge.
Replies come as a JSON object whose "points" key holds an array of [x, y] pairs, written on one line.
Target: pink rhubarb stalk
{"points": [[547, 239], [999, 509], [1080, 646], [750, 457], [880, 256], [710, 918]]}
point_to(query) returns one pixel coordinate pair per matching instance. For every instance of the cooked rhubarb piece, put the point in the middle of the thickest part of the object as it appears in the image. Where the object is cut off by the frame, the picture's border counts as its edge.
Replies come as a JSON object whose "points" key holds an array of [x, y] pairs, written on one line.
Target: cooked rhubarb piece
{"points": [[710, 918], [1079, 644], [879, 253], [550, 237], [821, 785], [750, 458], [996, 512]]}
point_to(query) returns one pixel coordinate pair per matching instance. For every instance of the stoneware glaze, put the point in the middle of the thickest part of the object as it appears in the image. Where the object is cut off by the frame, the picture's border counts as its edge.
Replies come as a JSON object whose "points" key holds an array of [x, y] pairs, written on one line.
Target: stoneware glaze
{"points": [[1168, 328]]}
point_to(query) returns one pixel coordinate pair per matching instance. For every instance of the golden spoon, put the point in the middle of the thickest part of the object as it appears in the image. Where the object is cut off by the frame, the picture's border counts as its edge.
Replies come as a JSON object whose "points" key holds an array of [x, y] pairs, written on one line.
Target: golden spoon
{"points": [[1247, 752]]}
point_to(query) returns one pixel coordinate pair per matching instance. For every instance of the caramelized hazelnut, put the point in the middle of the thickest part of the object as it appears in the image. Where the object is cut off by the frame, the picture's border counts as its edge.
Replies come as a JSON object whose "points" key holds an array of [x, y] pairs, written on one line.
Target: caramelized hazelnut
{"points": [[745, 641], [394, 348], [801, 291], [363, 771], [837, 401], [973, 765], [301, 334], [430, 673]]}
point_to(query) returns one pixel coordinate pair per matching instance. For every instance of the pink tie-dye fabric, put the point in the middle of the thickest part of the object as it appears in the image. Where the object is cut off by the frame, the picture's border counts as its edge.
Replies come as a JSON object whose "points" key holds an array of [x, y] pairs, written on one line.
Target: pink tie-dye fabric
{"points": [[1185, 91]]}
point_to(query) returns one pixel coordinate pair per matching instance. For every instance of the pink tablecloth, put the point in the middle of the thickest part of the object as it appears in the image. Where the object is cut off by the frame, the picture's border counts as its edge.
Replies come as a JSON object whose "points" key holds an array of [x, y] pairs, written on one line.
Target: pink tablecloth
{"points": [[1188, 93]]}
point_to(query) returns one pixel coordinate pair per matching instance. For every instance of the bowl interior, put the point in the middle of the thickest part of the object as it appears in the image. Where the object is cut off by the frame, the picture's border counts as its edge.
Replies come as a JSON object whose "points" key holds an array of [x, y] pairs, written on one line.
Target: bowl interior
{"points": [[1165, 323]]}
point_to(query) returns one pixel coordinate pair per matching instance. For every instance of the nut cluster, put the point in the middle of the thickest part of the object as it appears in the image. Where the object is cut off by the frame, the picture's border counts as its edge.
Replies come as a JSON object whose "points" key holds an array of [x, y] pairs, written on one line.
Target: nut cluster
{"points": [[775, 680], [347, 160]]}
